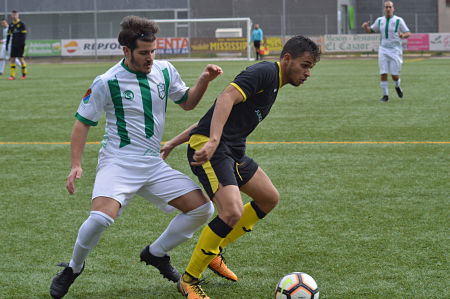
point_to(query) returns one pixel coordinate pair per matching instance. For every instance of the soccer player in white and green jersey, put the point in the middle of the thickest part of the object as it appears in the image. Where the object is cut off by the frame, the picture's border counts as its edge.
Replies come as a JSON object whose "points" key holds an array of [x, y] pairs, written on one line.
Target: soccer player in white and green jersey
{"points": [[134, 94], [390, 54]]}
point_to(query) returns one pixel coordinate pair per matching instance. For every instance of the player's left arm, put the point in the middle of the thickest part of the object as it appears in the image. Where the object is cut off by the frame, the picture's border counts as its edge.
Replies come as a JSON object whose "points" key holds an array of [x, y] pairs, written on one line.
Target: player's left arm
{"points": [[8, 38], [175, 141], [196, 92], [404, 30], [24, 28], [404, 35]]}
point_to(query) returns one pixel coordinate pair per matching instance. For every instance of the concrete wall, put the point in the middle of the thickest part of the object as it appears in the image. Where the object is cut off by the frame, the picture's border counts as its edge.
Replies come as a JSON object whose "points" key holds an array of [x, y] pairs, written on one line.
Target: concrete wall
{"points": [[444, 15]]}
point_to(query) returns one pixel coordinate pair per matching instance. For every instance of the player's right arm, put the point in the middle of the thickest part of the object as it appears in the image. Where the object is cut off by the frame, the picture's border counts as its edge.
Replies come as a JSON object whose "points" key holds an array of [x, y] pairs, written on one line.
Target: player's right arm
{"points": [[224, 104], [88, 113], [78, 140], [375, 27], [366, 27]]}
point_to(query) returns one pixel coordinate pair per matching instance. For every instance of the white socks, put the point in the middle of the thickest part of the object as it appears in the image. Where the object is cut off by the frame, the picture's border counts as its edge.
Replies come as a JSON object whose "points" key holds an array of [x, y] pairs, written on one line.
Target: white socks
{"points": [[384, 87], [88, 236], [397, 83], [2, 66], [181, 228]]}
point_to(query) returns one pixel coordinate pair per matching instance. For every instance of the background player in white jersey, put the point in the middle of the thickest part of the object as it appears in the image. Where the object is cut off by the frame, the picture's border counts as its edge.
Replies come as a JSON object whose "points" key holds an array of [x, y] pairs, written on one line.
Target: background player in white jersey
{"points": [[134, 95], [390, 54], [4, 54]]}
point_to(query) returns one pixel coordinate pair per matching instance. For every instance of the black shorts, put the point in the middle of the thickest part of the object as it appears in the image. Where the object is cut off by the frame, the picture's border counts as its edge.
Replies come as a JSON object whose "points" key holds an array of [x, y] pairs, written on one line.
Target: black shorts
{"points": [[223, 168], [17, 51], [257, 44]]}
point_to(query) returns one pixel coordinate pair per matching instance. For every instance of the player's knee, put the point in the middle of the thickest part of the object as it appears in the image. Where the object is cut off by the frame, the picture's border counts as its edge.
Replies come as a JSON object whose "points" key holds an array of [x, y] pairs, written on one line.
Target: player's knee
{"points": [[275, 198], [270, 199], [203, 212], [91, 230], [101, 218], [209, 207], [231, 216]]}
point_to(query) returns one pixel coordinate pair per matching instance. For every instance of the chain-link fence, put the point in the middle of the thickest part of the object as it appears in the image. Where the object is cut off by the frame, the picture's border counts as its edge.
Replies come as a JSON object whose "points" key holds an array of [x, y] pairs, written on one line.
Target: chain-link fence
{"points": [[82, 25]]}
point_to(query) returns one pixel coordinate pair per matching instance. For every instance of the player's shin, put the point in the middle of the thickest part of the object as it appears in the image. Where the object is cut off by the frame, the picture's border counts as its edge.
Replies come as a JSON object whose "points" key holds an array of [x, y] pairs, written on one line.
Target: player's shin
{"points": [[181, 228], [12, 69], [251, 215], [24, 69], [88, 236], [207, 246]]}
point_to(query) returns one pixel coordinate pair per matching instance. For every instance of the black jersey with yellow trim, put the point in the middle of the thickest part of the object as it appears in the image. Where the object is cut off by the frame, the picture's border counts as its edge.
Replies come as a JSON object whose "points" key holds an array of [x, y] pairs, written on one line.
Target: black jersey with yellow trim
{"points": [[17, 33], [259, 85]]}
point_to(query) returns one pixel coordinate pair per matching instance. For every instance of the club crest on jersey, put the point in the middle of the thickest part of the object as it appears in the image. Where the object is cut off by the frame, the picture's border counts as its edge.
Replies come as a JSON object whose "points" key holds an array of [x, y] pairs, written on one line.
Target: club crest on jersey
{"points": [[161, 91], [87, 96], [128, 95]]}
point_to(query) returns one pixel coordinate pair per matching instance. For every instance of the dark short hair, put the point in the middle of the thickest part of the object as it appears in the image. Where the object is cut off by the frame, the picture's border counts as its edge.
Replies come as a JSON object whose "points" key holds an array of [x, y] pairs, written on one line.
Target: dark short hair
{"points": [[14, 11], [134, 28], [298, 45]]}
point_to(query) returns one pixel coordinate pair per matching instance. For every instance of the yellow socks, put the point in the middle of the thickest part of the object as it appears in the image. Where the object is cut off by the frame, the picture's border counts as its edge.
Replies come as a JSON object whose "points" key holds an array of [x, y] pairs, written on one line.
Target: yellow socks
{"points": [[217, 234], [24, 70], [207, 246], [251, 215], [12, 69]]}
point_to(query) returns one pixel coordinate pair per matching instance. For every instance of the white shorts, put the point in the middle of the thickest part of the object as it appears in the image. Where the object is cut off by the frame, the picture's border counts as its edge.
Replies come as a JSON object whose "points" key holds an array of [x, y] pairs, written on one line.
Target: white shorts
{"points": [[121, 178], [390, 60], [3, 53]]}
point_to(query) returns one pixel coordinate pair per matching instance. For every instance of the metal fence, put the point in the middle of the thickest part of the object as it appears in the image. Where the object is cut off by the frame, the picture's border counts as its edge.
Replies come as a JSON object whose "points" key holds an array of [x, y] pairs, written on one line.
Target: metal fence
{"points": [[416, 22], [106, 24]]}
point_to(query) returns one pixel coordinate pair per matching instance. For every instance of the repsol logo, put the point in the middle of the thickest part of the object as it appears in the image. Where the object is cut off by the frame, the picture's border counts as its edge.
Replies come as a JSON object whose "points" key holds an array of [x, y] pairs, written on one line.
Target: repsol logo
{"points": [[102, 46]]}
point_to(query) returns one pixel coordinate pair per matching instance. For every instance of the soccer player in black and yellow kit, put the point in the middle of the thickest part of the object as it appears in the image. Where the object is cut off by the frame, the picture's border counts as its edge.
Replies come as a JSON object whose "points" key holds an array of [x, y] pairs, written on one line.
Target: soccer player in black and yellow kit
{"points": [[17, 34], [216, 153]]}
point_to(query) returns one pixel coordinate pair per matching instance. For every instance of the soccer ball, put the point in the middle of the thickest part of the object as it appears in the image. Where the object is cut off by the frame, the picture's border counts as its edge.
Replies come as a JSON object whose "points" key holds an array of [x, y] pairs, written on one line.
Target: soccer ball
{"points": [[297, 285]]}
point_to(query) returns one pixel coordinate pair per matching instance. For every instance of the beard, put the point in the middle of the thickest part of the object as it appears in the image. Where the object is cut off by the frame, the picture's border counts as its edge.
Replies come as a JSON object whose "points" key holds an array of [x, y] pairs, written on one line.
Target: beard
{"points": [[139, 66]]}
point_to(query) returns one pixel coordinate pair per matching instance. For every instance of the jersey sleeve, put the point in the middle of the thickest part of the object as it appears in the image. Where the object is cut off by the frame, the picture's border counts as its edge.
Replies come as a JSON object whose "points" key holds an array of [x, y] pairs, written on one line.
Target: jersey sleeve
{"points": [[177, 89], [375, 27], [253, 80], [403, 28], [93, 103], [23, 28]]}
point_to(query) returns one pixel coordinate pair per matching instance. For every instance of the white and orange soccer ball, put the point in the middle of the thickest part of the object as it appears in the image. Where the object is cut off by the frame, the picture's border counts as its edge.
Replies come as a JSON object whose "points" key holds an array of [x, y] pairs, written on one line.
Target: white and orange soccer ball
{"points": [[297, 285]]}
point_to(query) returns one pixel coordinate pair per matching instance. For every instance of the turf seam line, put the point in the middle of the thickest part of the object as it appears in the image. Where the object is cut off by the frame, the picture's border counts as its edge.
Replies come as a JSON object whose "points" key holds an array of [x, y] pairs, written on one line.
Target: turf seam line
{"points": [[250, 142]]}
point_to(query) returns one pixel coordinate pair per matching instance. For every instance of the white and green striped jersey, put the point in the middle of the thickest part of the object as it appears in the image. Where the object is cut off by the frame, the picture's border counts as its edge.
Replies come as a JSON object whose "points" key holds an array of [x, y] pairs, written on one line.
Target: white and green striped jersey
{"points": [[4, 34], [390, 28], [135, 107]]}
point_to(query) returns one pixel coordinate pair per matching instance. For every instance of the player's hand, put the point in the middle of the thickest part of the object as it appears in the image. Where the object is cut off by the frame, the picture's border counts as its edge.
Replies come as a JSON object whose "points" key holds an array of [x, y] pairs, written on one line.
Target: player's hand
{"points": [[75, 173], [365, 24], [166, 149], [204, 154], [211, 72]]}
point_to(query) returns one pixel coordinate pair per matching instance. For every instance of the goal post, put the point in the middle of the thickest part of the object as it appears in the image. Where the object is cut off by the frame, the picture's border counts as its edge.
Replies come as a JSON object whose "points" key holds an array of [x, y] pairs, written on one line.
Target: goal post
{"points": [[205, 38]]}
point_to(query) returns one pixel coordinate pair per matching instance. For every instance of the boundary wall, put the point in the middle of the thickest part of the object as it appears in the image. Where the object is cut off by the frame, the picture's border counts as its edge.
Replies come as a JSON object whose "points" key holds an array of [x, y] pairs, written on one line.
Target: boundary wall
{"points": [[214, 47]]}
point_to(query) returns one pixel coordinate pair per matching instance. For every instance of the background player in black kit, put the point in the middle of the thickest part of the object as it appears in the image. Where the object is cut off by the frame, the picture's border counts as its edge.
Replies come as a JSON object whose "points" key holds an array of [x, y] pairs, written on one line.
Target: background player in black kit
{"points": [[217, 157], [17, 34]]}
